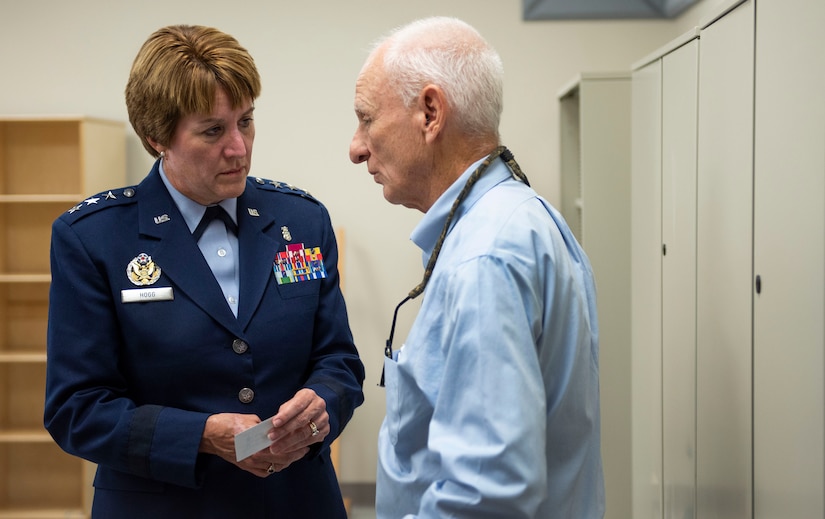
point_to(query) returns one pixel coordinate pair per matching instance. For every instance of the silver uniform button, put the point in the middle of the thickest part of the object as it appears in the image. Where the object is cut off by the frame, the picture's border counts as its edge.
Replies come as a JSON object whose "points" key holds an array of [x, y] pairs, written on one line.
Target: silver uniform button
{"points": [[239, 346], [246, 395]]}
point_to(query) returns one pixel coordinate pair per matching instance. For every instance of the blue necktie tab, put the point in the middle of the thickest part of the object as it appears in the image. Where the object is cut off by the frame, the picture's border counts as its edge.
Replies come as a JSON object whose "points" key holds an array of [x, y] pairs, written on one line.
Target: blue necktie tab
{"points": [[213, 212]]}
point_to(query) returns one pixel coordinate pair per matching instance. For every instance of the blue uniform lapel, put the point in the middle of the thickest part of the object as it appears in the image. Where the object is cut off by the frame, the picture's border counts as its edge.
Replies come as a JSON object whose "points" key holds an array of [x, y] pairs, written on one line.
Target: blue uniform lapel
{"points": [[177, 252], [258, 249]]}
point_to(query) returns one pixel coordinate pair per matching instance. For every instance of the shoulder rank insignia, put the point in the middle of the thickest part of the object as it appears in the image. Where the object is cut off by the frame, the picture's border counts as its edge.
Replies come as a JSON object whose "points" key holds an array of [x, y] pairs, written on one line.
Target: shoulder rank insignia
{"points": [[283, 187], [142, 270]]}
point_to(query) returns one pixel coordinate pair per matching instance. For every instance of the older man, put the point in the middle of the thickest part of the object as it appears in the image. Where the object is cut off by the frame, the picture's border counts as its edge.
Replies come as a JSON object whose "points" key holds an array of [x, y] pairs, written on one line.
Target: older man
{"points": [[493, 400]]}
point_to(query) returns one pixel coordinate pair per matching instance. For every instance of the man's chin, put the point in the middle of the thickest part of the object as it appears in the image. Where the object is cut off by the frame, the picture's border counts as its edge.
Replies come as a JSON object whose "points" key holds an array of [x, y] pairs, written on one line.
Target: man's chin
{"points": [[388, 195]]}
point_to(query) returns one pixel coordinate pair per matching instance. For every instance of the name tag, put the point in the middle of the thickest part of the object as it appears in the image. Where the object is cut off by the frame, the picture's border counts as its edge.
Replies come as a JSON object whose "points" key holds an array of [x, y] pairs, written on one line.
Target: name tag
{"points": [[146, 295]]}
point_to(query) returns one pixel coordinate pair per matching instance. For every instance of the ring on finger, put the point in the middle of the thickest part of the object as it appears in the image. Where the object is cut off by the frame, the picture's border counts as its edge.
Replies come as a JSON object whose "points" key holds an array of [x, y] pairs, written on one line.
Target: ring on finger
{"points": [[271, 468], [313, 428]]}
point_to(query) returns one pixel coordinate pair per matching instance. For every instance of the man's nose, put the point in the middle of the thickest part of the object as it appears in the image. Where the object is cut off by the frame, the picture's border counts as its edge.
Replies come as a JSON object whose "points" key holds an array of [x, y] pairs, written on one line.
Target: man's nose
{"points": [[358, 151]]}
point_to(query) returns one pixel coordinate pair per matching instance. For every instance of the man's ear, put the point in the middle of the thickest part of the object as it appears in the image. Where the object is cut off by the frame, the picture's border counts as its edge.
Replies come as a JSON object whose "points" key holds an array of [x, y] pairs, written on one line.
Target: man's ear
{"points": [[433, 108]]}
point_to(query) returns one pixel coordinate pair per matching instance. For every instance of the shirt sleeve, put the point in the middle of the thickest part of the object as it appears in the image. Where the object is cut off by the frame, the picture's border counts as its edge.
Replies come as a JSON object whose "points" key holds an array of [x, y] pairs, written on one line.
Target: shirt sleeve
{"points": [[488, 426]]}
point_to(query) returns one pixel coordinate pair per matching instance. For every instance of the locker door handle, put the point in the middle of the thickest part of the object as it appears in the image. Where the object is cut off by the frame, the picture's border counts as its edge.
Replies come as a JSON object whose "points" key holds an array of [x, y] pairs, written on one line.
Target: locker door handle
{"points": [[758, 284]]}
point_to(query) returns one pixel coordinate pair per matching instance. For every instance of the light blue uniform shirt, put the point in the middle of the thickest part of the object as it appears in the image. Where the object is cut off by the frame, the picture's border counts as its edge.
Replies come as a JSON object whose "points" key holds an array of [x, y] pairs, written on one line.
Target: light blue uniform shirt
{"points": [[218, 246], [493, 400]]}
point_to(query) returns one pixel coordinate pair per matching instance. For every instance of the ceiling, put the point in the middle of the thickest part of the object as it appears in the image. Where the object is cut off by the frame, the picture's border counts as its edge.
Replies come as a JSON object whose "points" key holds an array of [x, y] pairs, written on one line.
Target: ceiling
{"points": [[603, 9]]}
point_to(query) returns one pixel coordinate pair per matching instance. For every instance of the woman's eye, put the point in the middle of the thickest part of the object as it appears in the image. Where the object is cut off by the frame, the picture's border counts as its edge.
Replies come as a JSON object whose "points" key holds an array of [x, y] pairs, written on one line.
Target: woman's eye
{"points": [[215, 130]]}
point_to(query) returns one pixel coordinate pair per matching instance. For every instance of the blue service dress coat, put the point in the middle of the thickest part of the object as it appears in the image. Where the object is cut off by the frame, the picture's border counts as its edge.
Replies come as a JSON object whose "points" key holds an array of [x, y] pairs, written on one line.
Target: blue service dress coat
{"points": [[130, 384]]}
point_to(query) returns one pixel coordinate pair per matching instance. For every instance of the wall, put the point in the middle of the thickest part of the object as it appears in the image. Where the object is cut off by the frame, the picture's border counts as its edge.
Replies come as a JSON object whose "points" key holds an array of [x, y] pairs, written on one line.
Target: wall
{"points": [[74, 57]]}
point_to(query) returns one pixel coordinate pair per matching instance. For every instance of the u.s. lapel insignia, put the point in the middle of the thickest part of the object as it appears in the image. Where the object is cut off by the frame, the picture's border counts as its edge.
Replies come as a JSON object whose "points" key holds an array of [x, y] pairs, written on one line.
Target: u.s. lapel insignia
{"points": [[297, 263], [162, 218], [142, 271], [285, 233]]}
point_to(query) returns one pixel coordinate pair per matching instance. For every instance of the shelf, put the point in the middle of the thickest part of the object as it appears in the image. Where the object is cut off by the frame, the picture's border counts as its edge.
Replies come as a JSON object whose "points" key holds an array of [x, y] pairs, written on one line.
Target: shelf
{"points": [[42, 199], [22, 386], [48, 164], [25, 278], [63, 156], [24, 307], [43, 513], [22, 358], [25, 236], [25, 436], [39, 476]]}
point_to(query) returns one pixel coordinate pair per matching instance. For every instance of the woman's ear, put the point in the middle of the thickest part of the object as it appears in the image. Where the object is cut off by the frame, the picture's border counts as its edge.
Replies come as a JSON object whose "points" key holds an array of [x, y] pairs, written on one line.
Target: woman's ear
{"points": [[156, 145]]}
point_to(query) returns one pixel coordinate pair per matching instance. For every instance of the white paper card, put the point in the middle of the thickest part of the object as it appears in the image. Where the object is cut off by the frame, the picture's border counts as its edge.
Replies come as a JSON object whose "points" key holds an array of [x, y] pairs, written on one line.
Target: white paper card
{"points": [[252, 440]]}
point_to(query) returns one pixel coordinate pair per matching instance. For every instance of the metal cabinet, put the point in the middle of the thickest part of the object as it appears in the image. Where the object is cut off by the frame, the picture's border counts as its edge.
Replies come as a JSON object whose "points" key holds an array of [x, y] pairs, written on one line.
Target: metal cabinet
{"points": [[595, 169], [728, 179], [789, 260], [724, 263], [665, 96]]}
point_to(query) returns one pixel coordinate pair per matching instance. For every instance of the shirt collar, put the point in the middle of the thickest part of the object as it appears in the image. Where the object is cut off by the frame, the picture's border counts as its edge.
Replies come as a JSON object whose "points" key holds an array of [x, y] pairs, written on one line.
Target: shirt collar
{"points": [[426, 233], [192, 211]]}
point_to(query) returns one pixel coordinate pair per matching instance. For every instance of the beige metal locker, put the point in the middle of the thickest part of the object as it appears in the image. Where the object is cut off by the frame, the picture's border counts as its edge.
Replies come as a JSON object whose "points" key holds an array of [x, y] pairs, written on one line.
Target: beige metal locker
{"points": [[789, 259], [724, 265], [756, 217], [679, 125], [595, 161], [664, 279], [646, 291]]}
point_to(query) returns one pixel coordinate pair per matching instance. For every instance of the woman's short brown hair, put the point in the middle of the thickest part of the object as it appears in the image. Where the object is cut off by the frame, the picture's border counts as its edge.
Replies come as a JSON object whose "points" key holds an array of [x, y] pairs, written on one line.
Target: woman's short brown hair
{"points": [[176, 73]]}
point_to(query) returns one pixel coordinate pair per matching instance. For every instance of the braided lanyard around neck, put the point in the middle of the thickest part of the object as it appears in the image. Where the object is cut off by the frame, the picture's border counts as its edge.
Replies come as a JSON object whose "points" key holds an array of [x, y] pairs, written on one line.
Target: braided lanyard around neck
{"points": [[508, 158]]}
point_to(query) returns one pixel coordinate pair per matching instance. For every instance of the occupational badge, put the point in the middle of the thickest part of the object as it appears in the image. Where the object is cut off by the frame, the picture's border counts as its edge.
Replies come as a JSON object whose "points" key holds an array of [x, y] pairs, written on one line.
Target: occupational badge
{"points": [[285, 233], [298, 263], [142, 270]]}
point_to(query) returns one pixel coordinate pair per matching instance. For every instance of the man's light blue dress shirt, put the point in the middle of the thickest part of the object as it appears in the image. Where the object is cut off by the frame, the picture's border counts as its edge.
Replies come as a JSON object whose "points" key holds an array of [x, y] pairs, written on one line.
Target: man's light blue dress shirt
{"points": [[493, 400]]}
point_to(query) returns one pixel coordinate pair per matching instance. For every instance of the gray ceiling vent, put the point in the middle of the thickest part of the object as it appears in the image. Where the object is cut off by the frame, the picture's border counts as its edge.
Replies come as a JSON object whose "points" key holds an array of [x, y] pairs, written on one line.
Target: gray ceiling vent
{"points": [[603, 9]]}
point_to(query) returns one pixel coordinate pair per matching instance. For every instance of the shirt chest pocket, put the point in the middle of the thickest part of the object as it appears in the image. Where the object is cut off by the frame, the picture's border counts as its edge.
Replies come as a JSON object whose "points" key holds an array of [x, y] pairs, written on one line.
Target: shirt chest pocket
{"points": [[408, 411]]}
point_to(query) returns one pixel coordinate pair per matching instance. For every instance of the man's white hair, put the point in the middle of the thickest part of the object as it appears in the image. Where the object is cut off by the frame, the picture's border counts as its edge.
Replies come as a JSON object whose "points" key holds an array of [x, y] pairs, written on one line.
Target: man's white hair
{"points": [[451, 54]]}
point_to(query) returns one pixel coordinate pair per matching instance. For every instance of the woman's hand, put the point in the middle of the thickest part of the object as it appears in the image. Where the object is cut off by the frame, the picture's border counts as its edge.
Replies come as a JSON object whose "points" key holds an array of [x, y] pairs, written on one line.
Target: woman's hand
{"points": [[219, 439], [300, 422], [292, 433]]}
